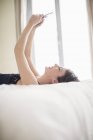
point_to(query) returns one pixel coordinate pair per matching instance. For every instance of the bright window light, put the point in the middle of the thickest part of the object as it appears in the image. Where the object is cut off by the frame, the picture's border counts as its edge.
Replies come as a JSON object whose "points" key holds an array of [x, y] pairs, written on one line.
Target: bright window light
{"points": [[45, 41], [75, 37]]}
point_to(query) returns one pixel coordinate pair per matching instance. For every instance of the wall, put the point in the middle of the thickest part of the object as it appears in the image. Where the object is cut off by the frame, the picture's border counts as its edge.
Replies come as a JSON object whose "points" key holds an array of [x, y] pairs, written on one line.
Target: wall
{"points": [[7, 37]]}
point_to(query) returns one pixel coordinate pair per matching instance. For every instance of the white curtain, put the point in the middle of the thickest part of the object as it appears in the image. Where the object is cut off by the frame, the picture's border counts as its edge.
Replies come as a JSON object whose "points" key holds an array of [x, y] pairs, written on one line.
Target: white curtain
{"points": [[23, 13], [90, 17], [20, 16], [17, 5]]}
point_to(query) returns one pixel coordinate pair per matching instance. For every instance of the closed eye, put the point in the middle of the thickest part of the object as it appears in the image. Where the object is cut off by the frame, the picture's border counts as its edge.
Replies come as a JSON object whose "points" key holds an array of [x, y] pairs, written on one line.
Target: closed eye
{"points": [[61, 68]]}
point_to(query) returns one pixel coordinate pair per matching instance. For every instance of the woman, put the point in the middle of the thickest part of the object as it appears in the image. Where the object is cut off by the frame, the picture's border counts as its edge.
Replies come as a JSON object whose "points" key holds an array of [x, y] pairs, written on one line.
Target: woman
{"points": [[27, 72]]}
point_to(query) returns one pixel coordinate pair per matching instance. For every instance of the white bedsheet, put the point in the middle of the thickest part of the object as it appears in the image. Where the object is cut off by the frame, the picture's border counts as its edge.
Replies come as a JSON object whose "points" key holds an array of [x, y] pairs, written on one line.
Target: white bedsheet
{"points": [[47, 112]]}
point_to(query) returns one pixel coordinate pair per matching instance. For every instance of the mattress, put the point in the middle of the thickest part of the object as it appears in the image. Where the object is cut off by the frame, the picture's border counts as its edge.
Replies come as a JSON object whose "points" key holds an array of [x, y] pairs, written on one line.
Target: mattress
{"points": [[61, 111]]}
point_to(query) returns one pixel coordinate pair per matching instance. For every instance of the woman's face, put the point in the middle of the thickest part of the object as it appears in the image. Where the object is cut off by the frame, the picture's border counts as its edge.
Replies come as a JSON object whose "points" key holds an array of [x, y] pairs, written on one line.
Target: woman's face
{"points": [[54, 72]]}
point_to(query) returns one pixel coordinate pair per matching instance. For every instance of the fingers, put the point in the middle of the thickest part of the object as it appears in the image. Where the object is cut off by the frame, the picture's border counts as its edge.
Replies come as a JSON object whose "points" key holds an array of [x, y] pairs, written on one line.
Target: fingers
{"points": [[36, 20], [39, 19]]}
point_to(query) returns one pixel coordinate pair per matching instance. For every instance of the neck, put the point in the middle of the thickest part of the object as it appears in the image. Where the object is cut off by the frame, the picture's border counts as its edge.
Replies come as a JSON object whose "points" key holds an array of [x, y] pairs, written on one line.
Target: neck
{"points": [[43, 80]]}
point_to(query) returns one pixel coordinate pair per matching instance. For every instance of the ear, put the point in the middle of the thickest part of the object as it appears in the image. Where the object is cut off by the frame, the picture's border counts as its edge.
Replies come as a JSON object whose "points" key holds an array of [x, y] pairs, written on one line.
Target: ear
{"points": [[54, 81]]}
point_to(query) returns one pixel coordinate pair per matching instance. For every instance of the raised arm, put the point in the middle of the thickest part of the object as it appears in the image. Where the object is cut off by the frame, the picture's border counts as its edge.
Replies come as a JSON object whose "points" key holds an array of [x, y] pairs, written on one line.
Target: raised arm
{"points": [[26, 73], [28, 51]]}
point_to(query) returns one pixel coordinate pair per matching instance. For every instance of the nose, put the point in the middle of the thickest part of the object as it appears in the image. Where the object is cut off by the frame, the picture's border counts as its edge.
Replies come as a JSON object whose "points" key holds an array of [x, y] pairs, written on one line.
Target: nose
{"points": [[56, 65]]}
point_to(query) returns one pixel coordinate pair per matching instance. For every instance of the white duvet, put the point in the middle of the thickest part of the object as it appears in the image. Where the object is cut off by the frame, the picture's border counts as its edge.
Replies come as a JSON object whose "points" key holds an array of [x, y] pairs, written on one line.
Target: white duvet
{"points": [[47, 112]]}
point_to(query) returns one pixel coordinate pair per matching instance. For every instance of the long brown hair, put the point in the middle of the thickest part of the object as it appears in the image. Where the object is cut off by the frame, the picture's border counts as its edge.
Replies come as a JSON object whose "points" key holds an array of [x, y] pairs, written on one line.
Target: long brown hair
{"points": [[68, 77]]}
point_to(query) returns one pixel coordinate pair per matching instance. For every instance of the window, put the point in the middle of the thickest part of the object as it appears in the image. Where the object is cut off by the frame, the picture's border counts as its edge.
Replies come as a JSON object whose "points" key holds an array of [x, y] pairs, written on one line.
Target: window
{"points": [[45, 42], [75, 36]]}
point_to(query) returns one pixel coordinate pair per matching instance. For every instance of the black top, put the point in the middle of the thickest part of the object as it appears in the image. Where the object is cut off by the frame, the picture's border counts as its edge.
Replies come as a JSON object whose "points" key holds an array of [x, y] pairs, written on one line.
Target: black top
{"points": [[9, 78]]}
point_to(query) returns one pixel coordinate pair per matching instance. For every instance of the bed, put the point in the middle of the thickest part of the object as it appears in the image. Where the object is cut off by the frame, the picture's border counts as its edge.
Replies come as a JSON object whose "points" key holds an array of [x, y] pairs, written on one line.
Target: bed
{"points": [[61, 111]]}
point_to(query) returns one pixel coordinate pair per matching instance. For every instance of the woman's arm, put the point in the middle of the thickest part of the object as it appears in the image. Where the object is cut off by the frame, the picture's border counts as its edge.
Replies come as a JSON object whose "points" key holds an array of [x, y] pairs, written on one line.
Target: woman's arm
{"points": [[27, 75], [28, 49]]}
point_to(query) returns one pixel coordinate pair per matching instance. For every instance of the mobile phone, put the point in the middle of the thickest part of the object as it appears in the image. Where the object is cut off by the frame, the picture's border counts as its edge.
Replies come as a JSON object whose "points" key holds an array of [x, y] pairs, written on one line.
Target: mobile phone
{"points": [[47, 14]]}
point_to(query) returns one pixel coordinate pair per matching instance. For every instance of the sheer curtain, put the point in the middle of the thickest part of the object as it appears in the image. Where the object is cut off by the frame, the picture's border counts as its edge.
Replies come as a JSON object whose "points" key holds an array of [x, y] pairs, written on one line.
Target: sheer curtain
{"points": [[17, 4], [75, 37], [45, 40], [90, 15], [20, 16]]}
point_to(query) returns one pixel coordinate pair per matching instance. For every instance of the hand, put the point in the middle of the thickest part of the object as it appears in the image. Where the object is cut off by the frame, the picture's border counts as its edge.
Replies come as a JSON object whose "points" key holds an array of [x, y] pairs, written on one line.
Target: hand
{"points": [[36, 20]]}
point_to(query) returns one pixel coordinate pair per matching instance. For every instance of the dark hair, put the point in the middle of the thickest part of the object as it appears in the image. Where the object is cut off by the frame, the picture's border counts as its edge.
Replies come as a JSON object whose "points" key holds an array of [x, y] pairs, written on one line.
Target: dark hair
{"points": [[68, 77]]}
